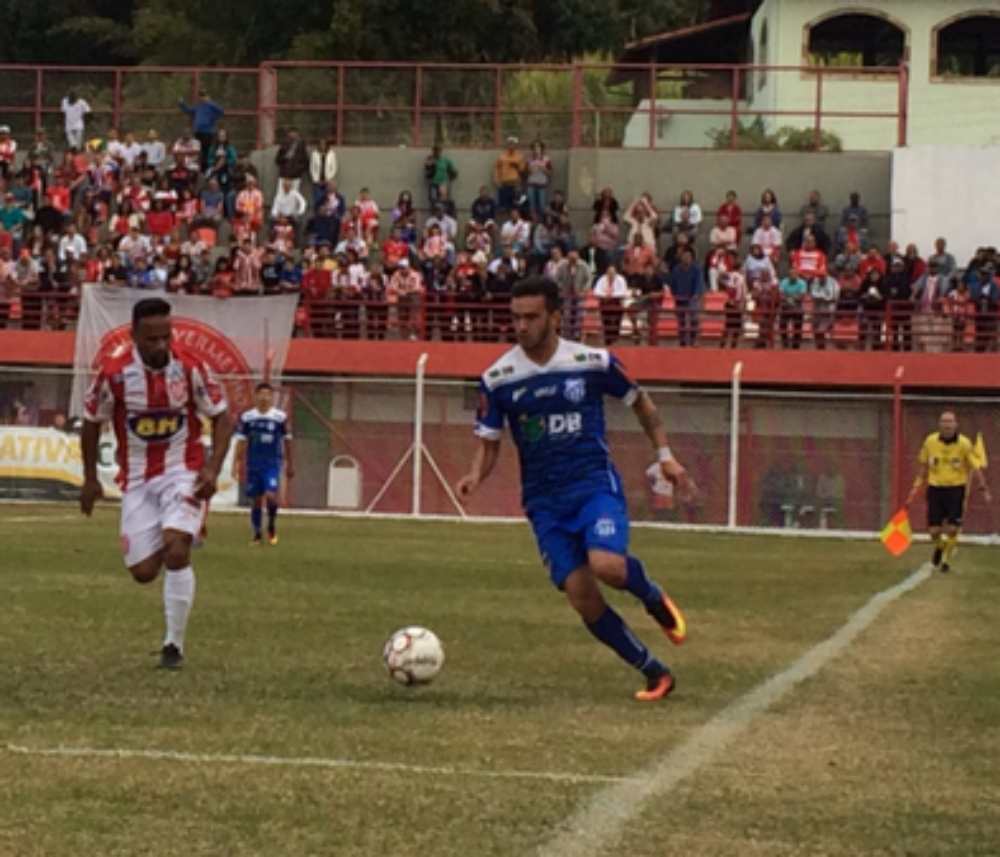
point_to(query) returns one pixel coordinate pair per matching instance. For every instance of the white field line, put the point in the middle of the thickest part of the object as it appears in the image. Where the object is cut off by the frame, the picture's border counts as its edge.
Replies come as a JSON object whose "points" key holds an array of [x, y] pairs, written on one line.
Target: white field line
{"points": [[38, 519], [596, 827], [307, 762]]}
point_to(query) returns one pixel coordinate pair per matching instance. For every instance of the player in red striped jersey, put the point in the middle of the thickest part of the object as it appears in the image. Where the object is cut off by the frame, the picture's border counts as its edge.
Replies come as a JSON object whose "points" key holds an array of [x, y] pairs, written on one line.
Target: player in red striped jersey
{"points": [[155, 395]]}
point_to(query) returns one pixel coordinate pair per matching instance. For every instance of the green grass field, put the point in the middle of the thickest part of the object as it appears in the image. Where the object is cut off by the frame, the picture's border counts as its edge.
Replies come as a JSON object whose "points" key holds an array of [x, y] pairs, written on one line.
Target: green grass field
{"points": [[893, 748]]}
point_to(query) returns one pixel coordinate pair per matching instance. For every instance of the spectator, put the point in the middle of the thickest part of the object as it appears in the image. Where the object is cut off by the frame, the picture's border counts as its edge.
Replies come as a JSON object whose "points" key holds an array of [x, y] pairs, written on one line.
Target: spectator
{"points": [[484, 211], [246, 269], [539, 172], [206, 114], [929, 324], [946, 263], [288, 202], [156, 152], [394, 249], [292, 159], [818, 211], [852, 233], [915, 266], [439, 172], [368, 213], [75, 111], [508, 172], [129, 151], [515, 233], [872, 259], [734, 286], [792, 290], [40, 152], [26, 284], [855, 210], [446, 202], [958, 307], [637, 256], [984, 296], [328, 221], [688, 212], [404, 218], [221, 159], [249, 209], [12, 221], [642, 221], [824, 291], [408, 287], [606, 204], [187, 153], [872, 300], [768, 208], [161, 220], [687, 286], [680, 243], [724, 235], [375, 296], [768, 238], [720, 260], [611, 291], [213, 206], [730, 209], [647, 289], [8, 152], [810, 261], [72, 243], [604, 241], [322, 169], [810, 228]]}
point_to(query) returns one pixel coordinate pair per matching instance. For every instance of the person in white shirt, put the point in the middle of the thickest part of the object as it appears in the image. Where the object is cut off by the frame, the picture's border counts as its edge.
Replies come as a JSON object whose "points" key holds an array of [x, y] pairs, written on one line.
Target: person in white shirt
{"points": [[768, 238], [515, 232], [611, 290], [74, 110], [642, 218], [322, 169], [73, 242], [156, 152], [288, 201], [130, 150]]}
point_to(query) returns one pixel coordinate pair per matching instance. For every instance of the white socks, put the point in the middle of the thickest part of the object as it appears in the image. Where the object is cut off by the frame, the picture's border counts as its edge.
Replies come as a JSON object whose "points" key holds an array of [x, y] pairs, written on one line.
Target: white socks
{"points": [[178, 595]]}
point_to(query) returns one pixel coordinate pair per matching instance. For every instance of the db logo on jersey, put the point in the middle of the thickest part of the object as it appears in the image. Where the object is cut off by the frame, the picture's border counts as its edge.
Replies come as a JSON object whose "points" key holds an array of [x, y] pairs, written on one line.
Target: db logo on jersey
{"points": [[156, 427], [535, 428]]}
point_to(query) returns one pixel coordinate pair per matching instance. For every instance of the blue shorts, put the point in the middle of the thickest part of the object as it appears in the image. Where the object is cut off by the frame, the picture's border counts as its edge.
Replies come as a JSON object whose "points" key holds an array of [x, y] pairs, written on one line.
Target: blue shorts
{"points": [[565, 538], [263, 480]]}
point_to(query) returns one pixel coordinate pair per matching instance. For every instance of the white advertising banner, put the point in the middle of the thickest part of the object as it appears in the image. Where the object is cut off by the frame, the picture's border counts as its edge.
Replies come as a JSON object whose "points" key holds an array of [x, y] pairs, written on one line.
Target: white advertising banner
{"points": [[237, 337]]}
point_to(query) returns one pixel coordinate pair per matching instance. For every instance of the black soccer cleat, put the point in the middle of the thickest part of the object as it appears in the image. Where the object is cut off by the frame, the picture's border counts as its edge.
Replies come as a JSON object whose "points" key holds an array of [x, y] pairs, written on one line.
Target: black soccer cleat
{"points": [[945, 568], [938, 556], [171, 657], [660, 683]]}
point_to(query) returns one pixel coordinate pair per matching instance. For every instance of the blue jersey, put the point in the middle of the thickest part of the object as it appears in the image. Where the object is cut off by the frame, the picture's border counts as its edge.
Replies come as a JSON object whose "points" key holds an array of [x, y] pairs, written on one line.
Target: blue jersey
{"points": [[556, 418], [265, 436]]}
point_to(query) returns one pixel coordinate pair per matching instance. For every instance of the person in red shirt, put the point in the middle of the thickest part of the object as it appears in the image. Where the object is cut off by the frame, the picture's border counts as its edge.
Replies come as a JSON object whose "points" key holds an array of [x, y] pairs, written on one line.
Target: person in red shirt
{"points": [[872, 259], [394, 248], [155, 395], [730, 209], [8, 151], [317, 282], [810, 261], [160, 221]]}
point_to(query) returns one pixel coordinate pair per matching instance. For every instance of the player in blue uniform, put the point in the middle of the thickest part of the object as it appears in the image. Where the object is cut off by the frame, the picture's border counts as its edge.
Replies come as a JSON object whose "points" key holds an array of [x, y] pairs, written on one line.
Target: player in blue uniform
{"points": [[550, 394], [264, 444]]}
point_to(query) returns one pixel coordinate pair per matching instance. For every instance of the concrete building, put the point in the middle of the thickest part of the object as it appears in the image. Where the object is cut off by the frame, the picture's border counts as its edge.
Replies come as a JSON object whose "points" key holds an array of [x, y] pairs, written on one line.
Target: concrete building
{"points": [[937, 62]]}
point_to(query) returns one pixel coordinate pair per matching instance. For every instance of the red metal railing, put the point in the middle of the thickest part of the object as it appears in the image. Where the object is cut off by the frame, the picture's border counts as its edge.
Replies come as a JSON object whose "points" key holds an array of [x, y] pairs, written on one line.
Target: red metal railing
{"points": [[392, 104]]}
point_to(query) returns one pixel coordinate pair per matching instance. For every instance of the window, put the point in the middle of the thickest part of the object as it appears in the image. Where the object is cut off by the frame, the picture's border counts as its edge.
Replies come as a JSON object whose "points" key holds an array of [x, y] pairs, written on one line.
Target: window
{"points": [[968, 47], [857, 40]]}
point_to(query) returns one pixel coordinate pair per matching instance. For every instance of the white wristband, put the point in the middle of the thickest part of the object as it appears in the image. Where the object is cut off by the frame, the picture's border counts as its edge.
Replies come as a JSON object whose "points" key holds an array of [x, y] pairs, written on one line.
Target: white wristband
{"points": [[664, 454]]}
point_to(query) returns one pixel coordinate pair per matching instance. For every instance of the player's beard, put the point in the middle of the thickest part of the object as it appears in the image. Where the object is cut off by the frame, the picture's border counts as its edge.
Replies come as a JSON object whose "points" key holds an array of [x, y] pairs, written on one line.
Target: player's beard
{"points": [[157, 360]]}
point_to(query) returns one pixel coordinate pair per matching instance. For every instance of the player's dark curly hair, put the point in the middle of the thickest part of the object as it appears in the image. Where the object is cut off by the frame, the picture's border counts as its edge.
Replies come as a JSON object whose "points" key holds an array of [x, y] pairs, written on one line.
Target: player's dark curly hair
{"points": [[149, 308], [541, 287]]}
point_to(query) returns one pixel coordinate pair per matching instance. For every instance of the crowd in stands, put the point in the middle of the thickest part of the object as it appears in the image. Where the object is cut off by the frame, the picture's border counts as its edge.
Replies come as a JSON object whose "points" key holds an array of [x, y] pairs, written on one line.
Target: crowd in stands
{"points": [[190, 216]]}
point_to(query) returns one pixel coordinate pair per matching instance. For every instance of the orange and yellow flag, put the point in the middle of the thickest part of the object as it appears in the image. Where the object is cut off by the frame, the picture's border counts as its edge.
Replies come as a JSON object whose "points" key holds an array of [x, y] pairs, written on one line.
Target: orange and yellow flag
{"points": [[897, 535]]}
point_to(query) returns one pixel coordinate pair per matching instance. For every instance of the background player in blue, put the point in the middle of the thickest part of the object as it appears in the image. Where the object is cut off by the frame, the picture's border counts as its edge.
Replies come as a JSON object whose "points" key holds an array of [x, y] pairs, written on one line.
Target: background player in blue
{"points": [[550, 393], [263, 445]]}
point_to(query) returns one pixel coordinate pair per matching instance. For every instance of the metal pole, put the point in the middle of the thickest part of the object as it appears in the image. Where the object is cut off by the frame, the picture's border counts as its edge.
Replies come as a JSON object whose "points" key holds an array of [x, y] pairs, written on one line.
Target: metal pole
{"points": [[895, 494], [418, 434], [734, 444]]}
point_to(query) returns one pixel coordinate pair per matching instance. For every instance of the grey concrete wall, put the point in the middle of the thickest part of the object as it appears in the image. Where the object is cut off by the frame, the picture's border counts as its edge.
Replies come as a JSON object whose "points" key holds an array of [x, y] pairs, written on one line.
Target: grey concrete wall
{"points": [[583, 172]]}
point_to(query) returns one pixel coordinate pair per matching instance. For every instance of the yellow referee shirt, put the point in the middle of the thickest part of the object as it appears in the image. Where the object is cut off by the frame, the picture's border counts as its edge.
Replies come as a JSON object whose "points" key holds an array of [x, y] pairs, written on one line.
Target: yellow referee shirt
{"points": [[948, 464]]}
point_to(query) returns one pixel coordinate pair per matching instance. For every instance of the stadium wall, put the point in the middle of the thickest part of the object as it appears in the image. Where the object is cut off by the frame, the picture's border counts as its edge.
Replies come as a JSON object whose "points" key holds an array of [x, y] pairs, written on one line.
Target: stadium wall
{"points": [[819, 370], [581, 173]]}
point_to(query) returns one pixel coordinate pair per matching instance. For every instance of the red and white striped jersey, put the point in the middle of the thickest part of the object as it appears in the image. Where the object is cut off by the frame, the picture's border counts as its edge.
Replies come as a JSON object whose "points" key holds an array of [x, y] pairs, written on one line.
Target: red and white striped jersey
{"points": [[156, 413]]}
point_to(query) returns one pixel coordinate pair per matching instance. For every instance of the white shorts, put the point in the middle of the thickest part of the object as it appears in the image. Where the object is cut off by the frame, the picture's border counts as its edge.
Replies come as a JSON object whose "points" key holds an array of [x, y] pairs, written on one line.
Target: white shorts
{"points": [[164, 503]]}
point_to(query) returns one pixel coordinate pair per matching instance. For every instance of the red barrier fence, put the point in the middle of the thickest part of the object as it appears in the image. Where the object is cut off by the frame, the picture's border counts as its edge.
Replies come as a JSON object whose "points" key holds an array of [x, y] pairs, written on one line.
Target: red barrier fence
{"points": [[402, 104]]}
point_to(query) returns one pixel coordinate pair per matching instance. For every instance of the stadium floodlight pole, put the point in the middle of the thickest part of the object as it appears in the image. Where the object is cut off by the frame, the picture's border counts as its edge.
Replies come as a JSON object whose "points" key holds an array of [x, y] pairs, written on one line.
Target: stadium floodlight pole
{"points": [[418, 434], [734, 444]]}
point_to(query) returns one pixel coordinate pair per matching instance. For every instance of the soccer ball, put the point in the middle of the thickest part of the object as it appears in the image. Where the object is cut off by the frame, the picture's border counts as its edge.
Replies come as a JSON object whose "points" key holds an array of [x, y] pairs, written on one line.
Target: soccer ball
{"points": [[413, 656]]}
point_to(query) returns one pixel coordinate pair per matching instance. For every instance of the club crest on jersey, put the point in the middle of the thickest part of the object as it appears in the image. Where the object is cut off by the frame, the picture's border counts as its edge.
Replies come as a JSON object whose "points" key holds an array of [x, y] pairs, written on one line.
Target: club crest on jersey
{"points": [[575, 389], [177, 385], [156, 426]]}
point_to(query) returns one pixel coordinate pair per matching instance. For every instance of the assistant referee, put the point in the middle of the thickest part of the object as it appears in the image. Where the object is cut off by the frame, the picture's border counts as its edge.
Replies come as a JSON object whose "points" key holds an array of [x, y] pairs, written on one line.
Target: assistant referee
{"points": [[947, 462]]}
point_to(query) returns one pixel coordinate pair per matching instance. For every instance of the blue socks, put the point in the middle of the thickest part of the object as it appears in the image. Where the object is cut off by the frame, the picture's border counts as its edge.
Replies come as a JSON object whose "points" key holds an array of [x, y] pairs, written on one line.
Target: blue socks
{"points": [[272, 514], [256, 519], [637, 582], [611, 630]]}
